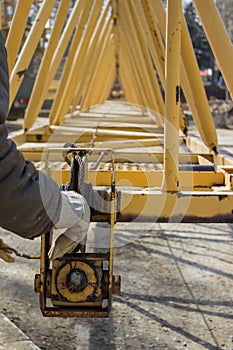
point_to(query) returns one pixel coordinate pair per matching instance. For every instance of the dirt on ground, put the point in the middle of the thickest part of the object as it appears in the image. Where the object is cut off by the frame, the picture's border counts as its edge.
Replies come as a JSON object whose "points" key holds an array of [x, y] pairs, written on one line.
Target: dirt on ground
{"points": [[177, 292]]}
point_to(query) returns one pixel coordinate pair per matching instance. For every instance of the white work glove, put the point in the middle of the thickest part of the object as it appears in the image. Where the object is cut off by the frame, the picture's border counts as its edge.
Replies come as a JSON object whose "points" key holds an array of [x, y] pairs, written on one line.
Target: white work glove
{"points": [[75, 216], [5, 252]]}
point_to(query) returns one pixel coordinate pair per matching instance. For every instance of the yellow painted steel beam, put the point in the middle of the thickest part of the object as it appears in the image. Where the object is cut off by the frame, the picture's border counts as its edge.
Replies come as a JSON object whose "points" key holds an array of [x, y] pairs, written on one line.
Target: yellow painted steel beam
{"points": [[191, 81], [104, 64], [135, 115], [126, 54], [87, 93], [151, 205], [35, 153], [156, 206], [218, 38], [126, 83], [69, 89], [16, 31], [130, 31], [72, 22], [105, 131], [105, 71], [153, 36], [101, 32], [137, 16], [110, 115], [128, 72], [120, 144], [69, 62], [154, 178], [106, 87], [196, 146], [38, 87], [137, 154], [108, 80], [128, 35], [155, 42], [111, 123], [64, 134], [205, 180], [29, 48], [115, 18], [135, 67], [158, 12], [172, 96], [86, 139], [127, 80], [116, 35], [207, 127]]}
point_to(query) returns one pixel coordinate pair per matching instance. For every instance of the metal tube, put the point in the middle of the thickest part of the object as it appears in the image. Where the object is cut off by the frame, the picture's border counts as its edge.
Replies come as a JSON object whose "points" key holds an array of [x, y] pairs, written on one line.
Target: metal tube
{"points": [[29, 48], [155, 42], [105, 68], [218, 37], [127, 76], [127, 84], [131, 44], [137, 15], [154, 37], [134, 49], [108, 85], [191, 81], [16, 31], [130, 52], [112, 225], [94, 64], [91, 58], [201, 103], [61, 47], [70, 59], [69, 89], [131, 31], [172, 96], [133, 72], [31, 112]]}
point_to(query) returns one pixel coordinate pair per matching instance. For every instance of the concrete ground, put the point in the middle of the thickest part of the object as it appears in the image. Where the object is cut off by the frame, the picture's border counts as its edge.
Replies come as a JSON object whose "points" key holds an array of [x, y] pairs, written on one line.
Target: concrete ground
{"points": [[11, 337]]}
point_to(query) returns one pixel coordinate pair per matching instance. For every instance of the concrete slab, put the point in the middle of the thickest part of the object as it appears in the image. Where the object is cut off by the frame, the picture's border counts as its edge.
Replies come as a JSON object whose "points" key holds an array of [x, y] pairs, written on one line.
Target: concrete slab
{"points": [[12, 338]]}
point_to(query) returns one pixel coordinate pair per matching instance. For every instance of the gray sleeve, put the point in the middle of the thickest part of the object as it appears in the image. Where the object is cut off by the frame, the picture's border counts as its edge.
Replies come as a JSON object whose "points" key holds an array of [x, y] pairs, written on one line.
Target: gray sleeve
{"points": [[4, 82], [30, 202]]}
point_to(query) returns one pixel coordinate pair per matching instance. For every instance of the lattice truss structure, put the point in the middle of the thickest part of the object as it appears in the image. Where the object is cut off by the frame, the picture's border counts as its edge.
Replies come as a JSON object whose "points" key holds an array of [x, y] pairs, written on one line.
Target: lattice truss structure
{"points": [[139, 54]]}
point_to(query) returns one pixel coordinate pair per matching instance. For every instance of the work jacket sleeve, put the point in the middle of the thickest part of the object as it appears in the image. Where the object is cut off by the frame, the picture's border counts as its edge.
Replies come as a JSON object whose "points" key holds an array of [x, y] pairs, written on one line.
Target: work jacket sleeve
{"points": [[30, 201]]}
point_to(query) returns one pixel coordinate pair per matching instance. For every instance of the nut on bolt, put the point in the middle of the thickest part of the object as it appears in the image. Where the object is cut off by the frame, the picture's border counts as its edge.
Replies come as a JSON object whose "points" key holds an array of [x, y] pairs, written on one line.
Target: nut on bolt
{"points": [[37, 283], [116, 285]]}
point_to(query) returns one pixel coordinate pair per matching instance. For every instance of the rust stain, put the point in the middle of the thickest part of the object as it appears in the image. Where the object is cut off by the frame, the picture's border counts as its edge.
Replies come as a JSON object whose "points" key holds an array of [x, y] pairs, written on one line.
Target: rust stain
{"points": [[220, 218], [20, 73]]}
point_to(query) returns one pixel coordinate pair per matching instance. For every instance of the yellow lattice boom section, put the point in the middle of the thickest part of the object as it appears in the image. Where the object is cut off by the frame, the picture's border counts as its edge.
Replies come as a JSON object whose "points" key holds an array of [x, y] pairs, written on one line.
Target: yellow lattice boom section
{"points": [[113, 71]]}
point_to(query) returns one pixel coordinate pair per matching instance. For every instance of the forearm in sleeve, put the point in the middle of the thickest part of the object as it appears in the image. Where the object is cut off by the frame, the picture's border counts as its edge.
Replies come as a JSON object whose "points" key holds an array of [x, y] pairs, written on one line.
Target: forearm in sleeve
{"points": [[29, 200]]}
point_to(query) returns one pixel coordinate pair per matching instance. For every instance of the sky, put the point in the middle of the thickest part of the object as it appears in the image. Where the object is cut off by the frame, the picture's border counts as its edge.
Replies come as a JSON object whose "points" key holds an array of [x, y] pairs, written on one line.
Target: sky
{"points": [[185, 2]]}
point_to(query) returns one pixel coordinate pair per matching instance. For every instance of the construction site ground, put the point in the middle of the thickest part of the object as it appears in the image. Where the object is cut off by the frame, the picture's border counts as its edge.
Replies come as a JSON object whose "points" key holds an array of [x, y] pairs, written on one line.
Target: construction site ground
{"points": [[177, 292]]}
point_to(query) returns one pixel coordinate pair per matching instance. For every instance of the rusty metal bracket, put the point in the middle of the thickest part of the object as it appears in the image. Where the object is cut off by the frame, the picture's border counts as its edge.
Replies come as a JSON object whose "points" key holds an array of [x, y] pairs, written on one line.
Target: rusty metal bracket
{"points": [[80, 284]]}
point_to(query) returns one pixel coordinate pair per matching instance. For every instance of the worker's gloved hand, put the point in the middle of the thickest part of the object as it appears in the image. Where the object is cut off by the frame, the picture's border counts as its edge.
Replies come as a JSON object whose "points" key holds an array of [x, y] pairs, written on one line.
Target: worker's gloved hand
{"points": [[5, 252], [75, 216]]}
